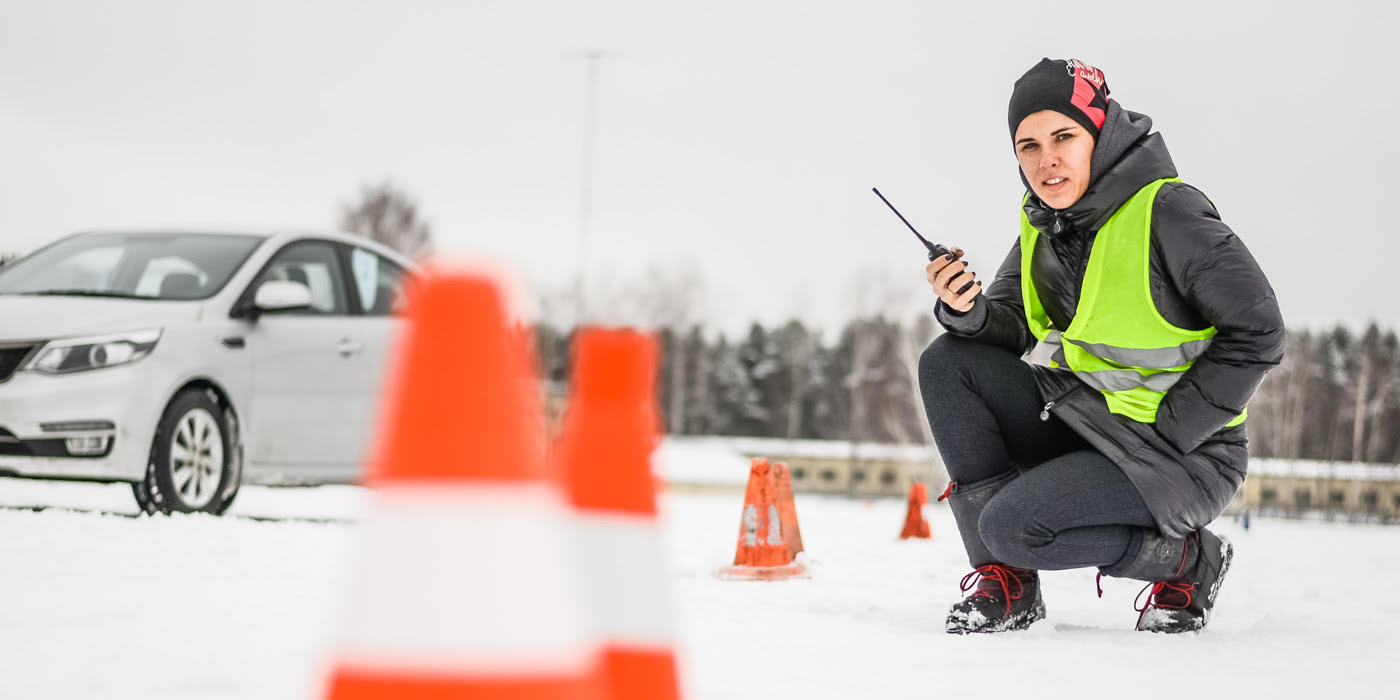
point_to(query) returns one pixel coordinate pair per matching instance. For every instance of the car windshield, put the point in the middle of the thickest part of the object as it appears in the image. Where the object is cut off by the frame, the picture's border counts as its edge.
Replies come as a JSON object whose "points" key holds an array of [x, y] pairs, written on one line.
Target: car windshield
{"points": [[130, 265]]}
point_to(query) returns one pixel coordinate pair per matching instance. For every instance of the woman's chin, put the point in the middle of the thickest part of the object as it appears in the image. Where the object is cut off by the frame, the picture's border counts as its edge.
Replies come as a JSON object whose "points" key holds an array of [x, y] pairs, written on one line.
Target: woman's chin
{"points": [[1059, 200]]}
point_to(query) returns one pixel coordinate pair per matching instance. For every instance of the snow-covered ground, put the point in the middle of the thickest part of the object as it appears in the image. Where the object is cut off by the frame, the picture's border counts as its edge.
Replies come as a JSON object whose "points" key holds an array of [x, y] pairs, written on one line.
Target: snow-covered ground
{"points": [[104, 606]]}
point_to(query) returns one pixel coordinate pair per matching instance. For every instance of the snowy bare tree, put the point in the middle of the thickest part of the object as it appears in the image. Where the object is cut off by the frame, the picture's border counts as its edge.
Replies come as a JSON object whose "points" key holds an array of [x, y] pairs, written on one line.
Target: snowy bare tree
{"points": [[1386, 415], [384, 213], [697, 397], [1371, 391], [797, 352], [1362, 390], [663, 298], [882, 379], [1335, 396], [912, 342]]}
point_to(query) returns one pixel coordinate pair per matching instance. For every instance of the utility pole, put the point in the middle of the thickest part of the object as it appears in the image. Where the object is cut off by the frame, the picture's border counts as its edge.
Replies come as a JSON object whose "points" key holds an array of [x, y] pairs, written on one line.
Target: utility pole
{"points": [[585, 203]]}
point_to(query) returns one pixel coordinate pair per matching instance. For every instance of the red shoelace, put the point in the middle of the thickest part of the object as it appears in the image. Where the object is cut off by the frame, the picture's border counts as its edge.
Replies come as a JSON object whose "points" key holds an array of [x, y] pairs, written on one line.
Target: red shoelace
{"points": [[988, 578], [1168, 595], [1178, 597]]}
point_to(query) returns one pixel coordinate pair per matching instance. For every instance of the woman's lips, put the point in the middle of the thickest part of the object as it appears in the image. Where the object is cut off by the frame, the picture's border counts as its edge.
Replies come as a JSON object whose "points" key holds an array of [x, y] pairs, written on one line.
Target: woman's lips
{"points": [[1055, 184]]}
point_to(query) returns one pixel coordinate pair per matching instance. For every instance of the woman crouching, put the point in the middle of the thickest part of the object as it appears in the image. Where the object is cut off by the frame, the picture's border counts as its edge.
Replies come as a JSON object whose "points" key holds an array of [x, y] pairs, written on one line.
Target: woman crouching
{"points": [[1161, 326]]}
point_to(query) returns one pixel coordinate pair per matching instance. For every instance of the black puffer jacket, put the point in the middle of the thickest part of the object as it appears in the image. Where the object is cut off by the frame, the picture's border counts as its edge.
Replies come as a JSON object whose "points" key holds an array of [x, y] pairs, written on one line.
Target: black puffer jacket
{"points": [[1187, 466]]}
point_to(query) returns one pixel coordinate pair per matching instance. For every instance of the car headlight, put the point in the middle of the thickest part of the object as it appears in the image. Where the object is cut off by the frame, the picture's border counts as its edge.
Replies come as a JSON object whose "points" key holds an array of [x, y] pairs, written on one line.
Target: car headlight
{"points": [[79, 354]]}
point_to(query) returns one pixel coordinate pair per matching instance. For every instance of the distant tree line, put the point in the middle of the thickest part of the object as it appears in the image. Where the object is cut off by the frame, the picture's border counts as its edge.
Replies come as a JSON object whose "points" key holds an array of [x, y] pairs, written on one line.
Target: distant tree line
{"points": [[786, 381], [1335, 397]]}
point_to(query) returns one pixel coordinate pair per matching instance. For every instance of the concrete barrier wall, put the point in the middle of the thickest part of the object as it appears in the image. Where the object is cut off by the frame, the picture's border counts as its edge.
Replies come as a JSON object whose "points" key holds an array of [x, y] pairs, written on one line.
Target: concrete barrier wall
{"points": [[1351, 498], [864, 477], [866, 470]]}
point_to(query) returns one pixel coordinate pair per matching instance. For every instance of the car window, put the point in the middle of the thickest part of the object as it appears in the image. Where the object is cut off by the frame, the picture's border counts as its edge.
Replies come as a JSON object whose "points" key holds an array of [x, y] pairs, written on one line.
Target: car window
{"points": [[93, 268], [171, 266], [378, 282], [168, 273], [314, 264]]}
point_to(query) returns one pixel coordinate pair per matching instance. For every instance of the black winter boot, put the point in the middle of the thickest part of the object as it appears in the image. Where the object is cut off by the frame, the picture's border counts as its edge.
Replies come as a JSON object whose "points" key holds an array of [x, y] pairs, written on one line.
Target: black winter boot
{"points": [[967, 501], [1003, 599], [1183, 603]]}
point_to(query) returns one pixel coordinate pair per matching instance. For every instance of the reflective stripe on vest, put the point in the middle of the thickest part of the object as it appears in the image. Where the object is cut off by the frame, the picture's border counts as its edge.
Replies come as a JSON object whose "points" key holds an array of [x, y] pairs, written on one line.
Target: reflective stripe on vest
{"points": [[1149, 358], [1118, 342], [1146, 358], [1128, 379]]}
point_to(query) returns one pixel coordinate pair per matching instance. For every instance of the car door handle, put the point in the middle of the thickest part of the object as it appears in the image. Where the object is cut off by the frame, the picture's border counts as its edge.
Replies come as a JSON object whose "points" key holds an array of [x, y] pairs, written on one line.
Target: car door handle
{"points": [[347, 347]]}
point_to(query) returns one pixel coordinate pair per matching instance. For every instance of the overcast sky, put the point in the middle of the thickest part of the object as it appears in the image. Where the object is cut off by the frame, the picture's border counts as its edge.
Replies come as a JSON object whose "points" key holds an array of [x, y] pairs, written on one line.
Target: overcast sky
{"points": [[736, 140]]}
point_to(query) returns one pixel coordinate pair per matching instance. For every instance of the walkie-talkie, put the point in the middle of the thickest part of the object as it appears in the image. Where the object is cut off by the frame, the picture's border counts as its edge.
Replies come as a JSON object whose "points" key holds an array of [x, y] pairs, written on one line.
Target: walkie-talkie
{"points": [[934, 249]]}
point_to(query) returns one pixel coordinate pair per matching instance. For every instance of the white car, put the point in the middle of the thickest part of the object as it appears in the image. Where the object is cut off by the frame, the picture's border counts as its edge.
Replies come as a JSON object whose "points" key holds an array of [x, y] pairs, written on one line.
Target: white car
{"points": [[188, 363]]}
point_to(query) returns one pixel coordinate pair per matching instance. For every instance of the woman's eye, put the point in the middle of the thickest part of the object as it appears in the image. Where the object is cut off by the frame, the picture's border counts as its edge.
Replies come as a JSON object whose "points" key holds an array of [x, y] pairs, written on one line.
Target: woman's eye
{"points": [[1027, 147], [1064, 137]]}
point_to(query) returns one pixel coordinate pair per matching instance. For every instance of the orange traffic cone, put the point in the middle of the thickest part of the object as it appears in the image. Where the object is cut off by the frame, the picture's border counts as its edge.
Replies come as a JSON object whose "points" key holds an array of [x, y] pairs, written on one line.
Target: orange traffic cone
{"points": [[762, 552], [914, 523], [463, 587], [604, 448], [787, 508]]}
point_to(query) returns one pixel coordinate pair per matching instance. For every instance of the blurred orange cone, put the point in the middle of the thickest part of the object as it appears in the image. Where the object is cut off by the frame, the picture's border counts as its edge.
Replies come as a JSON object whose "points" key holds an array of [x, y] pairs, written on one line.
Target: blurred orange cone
{"points": [[463, 586], [604, 448], [914, 523], [762, 552], [787, 508]]}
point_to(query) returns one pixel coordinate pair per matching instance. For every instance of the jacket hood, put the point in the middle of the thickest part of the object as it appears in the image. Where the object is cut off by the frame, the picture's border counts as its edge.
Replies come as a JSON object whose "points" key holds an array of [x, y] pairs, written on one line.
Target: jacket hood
{"points": [[1127, 156]]}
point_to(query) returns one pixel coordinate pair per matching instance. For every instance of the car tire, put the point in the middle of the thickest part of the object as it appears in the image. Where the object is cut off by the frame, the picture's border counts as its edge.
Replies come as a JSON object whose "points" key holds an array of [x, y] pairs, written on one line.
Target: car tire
{"points": [[195, 463], [147, 494]]}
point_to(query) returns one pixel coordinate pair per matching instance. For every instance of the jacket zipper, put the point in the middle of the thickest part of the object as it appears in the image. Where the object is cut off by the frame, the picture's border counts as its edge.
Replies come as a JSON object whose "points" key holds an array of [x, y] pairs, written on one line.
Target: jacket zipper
{"points": [[1045, 412]]}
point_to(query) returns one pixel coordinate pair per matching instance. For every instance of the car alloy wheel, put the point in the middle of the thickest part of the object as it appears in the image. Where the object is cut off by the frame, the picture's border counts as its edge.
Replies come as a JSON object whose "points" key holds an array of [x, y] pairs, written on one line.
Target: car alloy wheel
{"points": [[194, 465], [197, 458]]}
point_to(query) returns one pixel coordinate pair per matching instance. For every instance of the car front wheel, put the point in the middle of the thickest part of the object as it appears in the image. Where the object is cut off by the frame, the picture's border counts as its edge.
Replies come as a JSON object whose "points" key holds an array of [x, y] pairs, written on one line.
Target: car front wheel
{"points": [[193, 466]]}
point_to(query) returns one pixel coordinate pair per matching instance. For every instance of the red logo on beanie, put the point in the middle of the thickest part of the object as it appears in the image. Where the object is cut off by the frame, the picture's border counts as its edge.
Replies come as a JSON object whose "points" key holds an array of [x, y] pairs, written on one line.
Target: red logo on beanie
{"points": [[1090, 91]]}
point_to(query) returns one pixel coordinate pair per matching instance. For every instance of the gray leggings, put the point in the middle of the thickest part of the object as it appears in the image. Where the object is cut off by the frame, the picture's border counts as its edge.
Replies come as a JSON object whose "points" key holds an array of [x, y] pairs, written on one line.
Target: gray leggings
{"points": [[1067, 506]]}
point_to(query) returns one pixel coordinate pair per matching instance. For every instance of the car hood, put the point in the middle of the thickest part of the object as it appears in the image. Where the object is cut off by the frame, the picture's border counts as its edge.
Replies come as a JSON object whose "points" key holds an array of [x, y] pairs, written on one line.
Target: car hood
{"points": [[45, 318]]}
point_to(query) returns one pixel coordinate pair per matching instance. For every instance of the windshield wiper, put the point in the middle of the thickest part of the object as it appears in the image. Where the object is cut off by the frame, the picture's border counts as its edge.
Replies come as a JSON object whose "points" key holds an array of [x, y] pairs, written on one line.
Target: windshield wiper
{"points": [[81, 293]]}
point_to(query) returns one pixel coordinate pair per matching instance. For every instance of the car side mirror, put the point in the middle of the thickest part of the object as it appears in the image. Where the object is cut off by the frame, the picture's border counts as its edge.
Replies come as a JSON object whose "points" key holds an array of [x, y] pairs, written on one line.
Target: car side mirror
{"points": [[281, 295]]}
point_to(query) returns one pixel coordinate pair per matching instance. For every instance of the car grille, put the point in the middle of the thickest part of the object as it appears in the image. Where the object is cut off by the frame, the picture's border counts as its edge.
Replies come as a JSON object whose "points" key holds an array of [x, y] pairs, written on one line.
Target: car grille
{"points": [[11, 356]]}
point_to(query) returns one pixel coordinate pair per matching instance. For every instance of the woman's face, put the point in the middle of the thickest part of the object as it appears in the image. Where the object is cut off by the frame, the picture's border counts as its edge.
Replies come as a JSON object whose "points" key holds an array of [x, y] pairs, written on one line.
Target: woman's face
{"points": [[1054, 153]]}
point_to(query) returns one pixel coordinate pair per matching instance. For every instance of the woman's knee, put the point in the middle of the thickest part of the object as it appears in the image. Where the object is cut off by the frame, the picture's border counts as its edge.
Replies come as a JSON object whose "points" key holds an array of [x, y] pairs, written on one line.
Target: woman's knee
{"points": [[945, 358], [1010, 532]]}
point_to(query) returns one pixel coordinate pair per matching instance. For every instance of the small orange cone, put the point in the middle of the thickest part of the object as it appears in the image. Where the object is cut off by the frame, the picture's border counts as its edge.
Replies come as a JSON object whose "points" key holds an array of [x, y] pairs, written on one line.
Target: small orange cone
{"points": [[762, 552], [914, 523], [604, 448], [787, 509], [463, 586]]}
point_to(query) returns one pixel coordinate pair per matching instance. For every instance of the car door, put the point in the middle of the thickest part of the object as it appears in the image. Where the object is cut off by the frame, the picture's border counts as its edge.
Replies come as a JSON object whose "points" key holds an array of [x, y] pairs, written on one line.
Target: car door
{"points": [[377, 285], [306, 364]]}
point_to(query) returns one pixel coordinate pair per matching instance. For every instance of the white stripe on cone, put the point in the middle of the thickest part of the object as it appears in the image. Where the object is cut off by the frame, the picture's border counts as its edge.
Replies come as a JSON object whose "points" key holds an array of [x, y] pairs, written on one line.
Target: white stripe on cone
{"points": [[467, 579], [628, 595]]}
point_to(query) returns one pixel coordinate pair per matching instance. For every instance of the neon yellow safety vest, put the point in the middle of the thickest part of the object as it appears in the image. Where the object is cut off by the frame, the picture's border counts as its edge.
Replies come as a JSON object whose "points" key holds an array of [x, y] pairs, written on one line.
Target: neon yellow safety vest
{"points": [[1118, 341]]}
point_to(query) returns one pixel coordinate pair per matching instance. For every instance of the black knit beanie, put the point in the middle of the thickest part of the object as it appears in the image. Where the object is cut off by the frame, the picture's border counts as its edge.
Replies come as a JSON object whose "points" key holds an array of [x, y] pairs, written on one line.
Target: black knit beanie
{"points": [[1072, 88]]}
